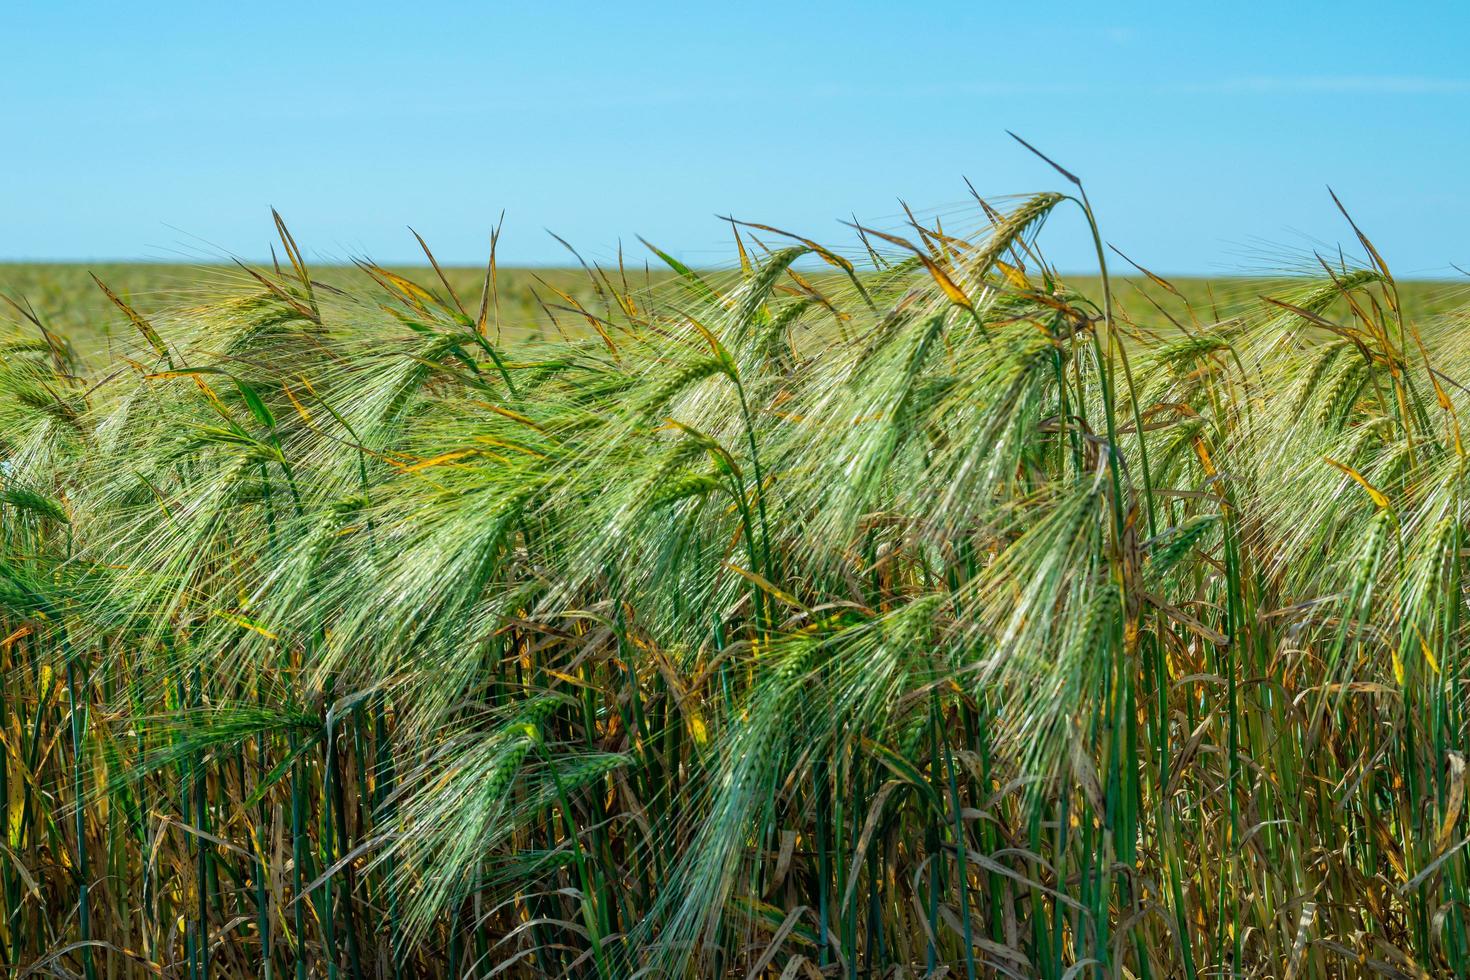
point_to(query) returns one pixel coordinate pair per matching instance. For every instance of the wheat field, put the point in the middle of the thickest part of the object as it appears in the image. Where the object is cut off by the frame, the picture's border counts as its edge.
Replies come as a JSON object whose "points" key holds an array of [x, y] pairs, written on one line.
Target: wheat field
{"points": [[891, 608]]}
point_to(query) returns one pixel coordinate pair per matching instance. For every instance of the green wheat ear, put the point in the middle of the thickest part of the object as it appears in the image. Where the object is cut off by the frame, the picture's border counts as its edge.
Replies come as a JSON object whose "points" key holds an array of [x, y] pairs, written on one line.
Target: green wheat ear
{"points": [[1321, 364], [1009, 231], [1175, 544], [1339, 392], [35, 503], [683, 486], [691, 373]]}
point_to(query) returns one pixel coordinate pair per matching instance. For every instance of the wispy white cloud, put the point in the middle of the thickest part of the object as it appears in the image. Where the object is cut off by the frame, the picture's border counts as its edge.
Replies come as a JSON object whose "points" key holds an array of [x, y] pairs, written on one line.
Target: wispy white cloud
{"points": [[1285, 85], [1331, 84], [1245, 85], [569, 99]]}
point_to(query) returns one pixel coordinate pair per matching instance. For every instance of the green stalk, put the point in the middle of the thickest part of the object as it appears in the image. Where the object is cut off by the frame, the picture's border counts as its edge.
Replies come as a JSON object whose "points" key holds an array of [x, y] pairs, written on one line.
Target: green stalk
{"points": [[84, 906], [591, 915], [960, 858]]}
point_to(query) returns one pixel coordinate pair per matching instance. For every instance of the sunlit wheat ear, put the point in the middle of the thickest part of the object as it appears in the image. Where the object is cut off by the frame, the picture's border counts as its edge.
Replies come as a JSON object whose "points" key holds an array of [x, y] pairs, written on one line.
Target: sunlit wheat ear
{"points": [[1009, 230]]}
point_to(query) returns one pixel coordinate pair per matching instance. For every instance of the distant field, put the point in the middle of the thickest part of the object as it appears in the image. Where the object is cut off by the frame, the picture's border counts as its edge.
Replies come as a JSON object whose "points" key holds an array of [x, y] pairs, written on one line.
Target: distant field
{"points": [[74, 307]]}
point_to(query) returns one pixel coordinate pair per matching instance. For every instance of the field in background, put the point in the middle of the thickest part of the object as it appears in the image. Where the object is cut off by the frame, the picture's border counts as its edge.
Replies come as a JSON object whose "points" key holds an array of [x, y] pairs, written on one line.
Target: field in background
{"points": [[66, 296], [73, 306]]}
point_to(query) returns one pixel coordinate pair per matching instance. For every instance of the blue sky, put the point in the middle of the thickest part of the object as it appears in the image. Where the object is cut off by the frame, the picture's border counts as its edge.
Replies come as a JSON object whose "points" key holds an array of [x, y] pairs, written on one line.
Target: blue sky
{"points": [[1206, 133]]}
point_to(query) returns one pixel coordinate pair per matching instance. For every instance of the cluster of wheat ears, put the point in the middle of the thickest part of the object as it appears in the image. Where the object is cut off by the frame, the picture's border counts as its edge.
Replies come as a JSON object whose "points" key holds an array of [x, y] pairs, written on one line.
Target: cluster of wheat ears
{"points": [[894, 612]]}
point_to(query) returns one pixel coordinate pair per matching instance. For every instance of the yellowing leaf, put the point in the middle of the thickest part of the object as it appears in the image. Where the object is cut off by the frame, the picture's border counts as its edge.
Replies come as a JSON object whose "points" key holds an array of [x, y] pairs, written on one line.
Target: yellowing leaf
{"points": [[766, 586], [1429, 657], [245, 624], [955, 293], [442, 458], [1455, 803], [1203, 453], [697, 729], [1013, 275], [1374, 492]]}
